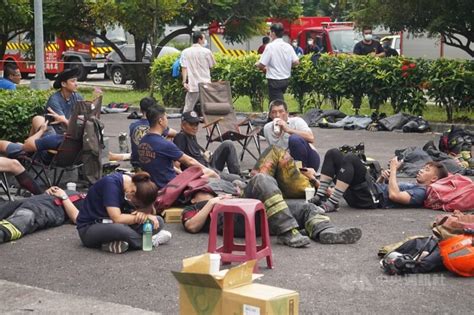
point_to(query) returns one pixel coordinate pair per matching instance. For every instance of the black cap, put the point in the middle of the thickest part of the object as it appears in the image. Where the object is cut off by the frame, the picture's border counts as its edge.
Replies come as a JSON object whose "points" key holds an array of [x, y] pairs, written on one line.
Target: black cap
{"points": [[64, 76], [190, 117]]}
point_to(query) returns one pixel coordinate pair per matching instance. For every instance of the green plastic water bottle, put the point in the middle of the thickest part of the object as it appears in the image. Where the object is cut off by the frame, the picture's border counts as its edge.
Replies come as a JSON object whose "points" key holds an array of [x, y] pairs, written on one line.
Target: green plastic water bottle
{"points": [[147, 233]]}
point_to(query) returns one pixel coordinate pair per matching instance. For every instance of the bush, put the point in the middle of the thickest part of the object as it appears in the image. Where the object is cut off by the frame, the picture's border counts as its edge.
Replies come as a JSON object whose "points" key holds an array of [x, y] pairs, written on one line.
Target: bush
{"points": [[171, 89], [406, 82], [451, 84], [244, 77], [17, 108]]}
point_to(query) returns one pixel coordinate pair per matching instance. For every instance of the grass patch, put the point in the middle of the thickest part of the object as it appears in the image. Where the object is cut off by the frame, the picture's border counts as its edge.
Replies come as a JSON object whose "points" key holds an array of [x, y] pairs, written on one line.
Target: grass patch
{"points": [[242, 104], [116, 96], [432, 112]]}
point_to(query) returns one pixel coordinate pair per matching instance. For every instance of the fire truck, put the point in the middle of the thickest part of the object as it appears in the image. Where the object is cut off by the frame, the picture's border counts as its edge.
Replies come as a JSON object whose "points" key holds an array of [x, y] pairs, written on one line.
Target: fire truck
{"points": [[332, 37], [86, 54]]}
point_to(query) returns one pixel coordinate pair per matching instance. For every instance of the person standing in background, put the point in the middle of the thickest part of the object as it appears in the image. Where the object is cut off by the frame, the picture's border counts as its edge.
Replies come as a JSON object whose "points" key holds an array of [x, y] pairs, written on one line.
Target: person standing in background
{"points": [[276, 61], [196, 64]]}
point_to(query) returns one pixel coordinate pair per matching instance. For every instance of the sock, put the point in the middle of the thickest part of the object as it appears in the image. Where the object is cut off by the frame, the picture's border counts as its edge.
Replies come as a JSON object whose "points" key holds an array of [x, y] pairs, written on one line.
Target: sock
{"points": [[323, 187], [25, 181], [336, 196]]}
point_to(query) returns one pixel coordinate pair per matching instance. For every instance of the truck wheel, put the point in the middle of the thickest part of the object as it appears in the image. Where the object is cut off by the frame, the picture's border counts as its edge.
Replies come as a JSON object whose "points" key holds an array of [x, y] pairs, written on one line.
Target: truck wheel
{"points": [[118, 77], [82, 75], [25, 75]]}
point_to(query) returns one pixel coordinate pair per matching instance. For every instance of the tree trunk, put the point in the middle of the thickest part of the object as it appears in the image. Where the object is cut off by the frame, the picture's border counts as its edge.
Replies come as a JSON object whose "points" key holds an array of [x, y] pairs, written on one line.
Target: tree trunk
{"points": [[3, 45], [170, 36], [139, 70], [449, 111]]}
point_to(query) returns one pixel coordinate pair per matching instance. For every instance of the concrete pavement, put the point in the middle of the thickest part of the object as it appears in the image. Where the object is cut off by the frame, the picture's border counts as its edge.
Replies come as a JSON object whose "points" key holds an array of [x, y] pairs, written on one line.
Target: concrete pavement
{"points": [[329, 278]]}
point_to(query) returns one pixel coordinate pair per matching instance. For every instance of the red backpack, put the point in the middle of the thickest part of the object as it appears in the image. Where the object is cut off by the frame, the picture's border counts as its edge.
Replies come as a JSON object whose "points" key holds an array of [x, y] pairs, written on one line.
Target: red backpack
{"points": [[455, 192], [169, 194]]}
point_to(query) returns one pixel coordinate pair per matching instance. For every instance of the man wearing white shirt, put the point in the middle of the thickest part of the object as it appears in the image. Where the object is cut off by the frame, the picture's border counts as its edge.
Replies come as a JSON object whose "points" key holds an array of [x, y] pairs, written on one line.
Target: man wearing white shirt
{"points": [[277, 60], [292, 134], [196, 62]]}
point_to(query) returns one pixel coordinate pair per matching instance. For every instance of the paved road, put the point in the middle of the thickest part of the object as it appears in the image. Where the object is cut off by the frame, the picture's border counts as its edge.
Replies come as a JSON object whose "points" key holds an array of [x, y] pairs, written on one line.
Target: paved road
{"points": [[329, 278]]}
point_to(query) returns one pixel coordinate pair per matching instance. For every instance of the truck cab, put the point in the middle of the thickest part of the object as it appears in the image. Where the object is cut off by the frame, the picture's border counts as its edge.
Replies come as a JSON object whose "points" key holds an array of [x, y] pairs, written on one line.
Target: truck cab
{"points": [[331, 37]]}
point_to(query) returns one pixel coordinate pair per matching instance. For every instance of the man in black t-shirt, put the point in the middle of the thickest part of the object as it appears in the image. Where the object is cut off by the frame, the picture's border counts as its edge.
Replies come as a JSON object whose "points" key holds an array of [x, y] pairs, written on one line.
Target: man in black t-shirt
{"points": [[186, 141], [367, 47], [389, 51]]}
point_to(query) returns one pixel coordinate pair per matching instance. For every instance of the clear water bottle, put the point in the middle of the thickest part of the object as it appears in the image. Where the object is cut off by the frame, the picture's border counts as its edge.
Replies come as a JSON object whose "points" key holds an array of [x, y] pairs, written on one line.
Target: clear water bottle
{"points": [[147, 234], [123, 142]]}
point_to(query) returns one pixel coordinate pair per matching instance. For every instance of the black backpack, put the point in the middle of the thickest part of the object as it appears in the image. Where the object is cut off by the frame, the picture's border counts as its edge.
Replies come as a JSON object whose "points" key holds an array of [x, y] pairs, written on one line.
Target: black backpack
{"points": [[455, 140]]}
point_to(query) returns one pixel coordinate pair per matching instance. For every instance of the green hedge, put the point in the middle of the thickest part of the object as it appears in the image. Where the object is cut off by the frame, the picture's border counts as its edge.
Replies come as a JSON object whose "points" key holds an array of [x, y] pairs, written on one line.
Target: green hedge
{"points": [[17, 108], [407, 82]]}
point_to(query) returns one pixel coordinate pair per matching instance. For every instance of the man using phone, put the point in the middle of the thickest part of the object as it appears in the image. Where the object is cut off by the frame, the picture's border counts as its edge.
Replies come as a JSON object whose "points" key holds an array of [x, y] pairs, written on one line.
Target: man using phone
{"points": [[360, 191]]}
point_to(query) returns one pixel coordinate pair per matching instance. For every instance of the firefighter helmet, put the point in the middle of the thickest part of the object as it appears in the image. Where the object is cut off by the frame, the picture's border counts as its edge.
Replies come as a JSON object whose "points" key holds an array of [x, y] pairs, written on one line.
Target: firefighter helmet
{"points": [[458, 254]]}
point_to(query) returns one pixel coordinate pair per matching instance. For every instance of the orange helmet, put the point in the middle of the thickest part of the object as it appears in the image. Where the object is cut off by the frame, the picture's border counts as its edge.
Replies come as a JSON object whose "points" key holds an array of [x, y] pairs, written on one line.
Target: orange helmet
{"points": [[458, 254]]}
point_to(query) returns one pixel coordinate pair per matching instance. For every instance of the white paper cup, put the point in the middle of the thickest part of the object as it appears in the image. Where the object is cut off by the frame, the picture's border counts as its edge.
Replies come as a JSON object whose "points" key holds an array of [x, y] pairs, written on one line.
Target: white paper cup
{"points": [[71, 186], [215, 264], [309, 193], [276, 127]]}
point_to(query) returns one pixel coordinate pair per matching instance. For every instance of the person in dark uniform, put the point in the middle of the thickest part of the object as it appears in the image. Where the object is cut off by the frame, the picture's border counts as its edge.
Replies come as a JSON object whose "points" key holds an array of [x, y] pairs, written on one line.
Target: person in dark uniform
{"points": [[365, 47], [389, 51]]}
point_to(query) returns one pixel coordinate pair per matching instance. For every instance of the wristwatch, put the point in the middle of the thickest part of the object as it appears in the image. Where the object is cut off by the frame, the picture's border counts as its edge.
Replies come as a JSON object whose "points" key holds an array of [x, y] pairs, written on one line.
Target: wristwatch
{"points": [[64, 197]]}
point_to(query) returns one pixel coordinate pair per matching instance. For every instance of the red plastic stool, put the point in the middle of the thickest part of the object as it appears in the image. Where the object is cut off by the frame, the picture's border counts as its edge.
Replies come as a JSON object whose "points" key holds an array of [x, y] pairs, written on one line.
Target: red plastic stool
{"points": [[248, 208]]}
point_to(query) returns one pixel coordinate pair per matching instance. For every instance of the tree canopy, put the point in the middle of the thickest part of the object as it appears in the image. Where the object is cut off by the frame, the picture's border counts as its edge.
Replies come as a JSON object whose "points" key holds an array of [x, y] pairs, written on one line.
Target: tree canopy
{"points": [[452, 19], [16, 17]]}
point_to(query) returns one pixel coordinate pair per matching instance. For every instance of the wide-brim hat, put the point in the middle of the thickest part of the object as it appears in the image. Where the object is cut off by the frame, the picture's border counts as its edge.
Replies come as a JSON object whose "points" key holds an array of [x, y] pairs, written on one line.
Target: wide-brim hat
{"points": [[64, 76]]}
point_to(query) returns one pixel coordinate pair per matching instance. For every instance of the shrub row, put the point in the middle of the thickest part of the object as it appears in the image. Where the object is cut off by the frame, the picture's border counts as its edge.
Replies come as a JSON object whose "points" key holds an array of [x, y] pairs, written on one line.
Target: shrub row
{"points": [[17, 108], [407, 82]]}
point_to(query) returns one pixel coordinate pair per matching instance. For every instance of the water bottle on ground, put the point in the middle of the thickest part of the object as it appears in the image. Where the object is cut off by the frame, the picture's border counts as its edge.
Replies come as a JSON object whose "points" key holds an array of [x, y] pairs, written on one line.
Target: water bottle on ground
{"points": [[123, 143], [147, 234]]}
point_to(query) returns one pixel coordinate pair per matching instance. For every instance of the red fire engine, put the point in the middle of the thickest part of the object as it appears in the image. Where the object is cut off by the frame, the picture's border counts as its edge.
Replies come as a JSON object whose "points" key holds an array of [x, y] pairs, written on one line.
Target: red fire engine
{"points": [[332, 37], [59, 55]]}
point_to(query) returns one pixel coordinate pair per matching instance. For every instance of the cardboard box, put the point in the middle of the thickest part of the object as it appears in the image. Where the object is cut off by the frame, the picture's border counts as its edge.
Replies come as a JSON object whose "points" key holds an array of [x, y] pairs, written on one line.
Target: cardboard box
{"points": [[230, 291], [173, 215]]}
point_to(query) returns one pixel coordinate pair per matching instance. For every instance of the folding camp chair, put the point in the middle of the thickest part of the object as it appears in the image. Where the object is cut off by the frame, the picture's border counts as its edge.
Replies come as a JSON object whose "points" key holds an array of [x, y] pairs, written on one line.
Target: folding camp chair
{"points": [[68, 156], [65, 159], [4, 185], [220, 120]]}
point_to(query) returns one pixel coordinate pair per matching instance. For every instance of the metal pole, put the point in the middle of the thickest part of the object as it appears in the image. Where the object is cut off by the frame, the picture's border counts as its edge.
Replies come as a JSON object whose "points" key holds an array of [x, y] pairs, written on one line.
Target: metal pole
{"points": [[39, 82]]}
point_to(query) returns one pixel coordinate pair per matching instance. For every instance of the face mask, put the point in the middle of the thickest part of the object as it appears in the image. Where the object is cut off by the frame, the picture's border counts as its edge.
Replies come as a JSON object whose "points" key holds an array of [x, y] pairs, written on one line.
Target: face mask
{"points": [[205, 43], [295, 45], [310, 42], [368, 37]]}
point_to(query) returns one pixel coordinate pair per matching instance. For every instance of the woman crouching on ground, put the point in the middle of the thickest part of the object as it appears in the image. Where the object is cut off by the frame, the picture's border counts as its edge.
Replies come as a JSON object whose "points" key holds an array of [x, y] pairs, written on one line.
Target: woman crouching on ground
{"points": [[114, 211]]}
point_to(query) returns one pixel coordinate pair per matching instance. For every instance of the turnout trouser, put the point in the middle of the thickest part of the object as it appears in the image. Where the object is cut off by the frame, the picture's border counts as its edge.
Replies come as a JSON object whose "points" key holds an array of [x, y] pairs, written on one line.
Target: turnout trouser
{"points": [[278, 163], [21, 222], [94, 235], [283, 216]]}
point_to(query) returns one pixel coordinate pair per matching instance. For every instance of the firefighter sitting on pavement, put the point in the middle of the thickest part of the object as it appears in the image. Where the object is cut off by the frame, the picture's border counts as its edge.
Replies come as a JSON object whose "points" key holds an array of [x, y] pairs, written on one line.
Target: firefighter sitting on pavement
{"points": [[224, 155]]}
